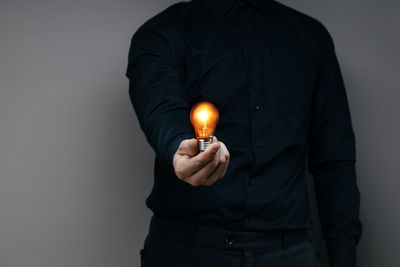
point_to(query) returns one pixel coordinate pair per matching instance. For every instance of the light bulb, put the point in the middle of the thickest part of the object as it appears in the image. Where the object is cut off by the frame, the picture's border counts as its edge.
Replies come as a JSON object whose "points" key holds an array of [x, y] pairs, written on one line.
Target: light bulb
{"points": [[204, 117]]}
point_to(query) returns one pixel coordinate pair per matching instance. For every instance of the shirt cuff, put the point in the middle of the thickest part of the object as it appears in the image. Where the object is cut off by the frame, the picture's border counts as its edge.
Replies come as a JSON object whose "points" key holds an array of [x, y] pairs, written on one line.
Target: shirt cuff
{"points": [[342, 253]]}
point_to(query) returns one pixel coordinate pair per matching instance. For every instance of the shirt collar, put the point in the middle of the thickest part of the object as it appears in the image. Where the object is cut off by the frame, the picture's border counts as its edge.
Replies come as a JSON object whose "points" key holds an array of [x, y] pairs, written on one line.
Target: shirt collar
{"points": [[221, 6]]}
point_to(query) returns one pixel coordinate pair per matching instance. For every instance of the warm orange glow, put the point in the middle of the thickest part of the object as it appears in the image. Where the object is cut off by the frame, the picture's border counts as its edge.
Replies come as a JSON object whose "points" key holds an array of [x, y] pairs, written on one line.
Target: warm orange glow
{"points": [[204, 117]]}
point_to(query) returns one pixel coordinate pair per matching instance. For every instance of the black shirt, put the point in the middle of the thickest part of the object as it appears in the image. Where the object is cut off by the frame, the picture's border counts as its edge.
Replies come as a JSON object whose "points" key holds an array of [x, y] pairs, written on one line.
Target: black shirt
{"points": [[273, 74]]}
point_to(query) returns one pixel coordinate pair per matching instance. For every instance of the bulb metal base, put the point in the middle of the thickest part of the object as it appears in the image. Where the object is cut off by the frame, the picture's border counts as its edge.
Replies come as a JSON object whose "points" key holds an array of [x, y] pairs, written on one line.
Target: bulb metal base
{"points": [[204, 143]]}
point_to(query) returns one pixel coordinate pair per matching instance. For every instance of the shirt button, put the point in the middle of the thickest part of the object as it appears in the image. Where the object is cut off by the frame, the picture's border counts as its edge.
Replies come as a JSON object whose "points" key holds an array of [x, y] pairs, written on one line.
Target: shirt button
{"points": [[229, 240], [251, 181], [257, 108], [252, 67]]}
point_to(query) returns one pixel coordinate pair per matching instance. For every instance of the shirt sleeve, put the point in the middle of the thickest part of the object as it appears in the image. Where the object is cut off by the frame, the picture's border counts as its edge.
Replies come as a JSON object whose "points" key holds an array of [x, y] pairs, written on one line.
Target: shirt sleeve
{"points": [[332, 157], [156, 90]]}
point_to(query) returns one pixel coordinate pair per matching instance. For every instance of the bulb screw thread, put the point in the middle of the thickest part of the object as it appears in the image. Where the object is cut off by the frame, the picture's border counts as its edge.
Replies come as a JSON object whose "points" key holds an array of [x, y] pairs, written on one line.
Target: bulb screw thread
{"points": [[204, 143]]}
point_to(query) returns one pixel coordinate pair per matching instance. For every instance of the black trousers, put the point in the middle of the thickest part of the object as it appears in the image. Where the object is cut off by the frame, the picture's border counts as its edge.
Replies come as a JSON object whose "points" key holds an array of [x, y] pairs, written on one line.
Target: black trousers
{"points": [[176, 244]]}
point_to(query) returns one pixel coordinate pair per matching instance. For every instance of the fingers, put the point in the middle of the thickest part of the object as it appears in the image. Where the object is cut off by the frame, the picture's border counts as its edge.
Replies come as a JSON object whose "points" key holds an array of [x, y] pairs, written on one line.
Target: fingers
{"points": [[220, 171], [202, 159], [189, 147], [227, 158], [199, 177], [204, 168], [214, 175], [190, 165]]}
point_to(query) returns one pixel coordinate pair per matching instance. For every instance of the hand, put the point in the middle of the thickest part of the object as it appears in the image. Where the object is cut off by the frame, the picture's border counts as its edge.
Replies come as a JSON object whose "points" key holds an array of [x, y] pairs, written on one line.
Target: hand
{"points": [[200, 168]]}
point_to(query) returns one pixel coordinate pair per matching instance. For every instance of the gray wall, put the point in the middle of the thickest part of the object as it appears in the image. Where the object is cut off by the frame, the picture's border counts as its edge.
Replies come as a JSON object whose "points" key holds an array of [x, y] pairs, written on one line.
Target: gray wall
{"points": [[75, 168]]}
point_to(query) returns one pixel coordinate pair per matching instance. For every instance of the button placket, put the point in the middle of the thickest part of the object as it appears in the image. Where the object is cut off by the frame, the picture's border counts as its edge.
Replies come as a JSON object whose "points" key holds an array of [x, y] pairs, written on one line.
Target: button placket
{"points": [[250, 60]]}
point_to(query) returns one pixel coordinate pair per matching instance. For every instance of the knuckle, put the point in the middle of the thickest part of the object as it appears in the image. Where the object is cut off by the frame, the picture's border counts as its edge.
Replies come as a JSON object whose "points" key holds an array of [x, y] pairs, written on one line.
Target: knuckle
{"points": [[207, 180], [194, 183], [180, 146], [202, 181], [180, 174]]}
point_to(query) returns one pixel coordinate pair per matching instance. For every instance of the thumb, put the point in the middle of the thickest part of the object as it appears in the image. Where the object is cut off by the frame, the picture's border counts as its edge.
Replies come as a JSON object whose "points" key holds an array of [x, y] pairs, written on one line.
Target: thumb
{"points": [[191, 147]]}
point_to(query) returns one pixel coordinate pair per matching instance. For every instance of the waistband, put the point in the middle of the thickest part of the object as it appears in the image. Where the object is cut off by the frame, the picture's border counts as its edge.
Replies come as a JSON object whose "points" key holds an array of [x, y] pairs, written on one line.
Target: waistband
{"points": [[186, 233]]}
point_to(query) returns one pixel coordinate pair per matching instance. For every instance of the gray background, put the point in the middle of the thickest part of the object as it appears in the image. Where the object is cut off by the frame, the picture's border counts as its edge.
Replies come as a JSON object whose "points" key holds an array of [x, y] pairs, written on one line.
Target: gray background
{"points": [[75, 168]]}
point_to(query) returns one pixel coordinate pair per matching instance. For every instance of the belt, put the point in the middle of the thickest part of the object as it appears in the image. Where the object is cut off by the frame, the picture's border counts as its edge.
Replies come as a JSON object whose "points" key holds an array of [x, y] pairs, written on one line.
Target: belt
{"points": [[179, 231]]}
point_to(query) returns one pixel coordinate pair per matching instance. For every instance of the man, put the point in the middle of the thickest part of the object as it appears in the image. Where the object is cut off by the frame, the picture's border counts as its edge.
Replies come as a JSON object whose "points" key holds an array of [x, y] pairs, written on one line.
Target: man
{"points": [[273, 74]]}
